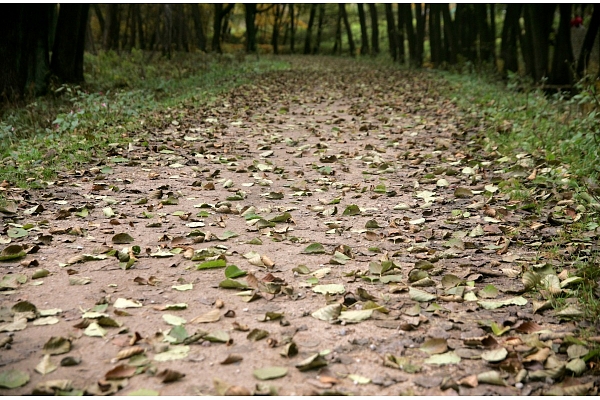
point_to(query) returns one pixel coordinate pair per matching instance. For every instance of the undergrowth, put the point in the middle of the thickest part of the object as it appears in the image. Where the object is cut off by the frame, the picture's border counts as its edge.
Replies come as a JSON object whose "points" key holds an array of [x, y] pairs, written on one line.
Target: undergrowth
{"points": [[73, 125]]}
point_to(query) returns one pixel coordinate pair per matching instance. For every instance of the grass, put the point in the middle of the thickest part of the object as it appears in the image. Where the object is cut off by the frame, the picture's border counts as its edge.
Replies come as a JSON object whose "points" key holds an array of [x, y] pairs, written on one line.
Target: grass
{"points": [[559, 136], [73, 126]]}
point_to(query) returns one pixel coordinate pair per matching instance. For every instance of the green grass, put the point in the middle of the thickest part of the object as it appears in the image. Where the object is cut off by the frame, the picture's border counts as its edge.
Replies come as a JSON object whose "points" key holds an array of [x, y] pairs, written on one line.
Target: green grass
{"points": [[123, 94]]}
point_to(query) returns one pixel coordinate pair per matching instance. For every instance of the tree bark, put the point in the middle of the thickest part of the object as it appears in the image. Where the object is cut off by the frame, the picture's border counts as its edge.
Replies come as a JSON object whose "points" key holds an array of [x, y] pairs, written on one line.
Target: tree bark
{"points": [[539, 19], [588, 42], [400, 37], [374, 29], [364, 36], [510, 32], [337, 46], [406, 11], [198, 27], [420, 17], [250, 27], [435, 34], [319, 28], [69, 43], [311, 20], [560, 74], [486, 43], [344, 15], [391, 31], [449, 35], [219, 13], [112, 28], [292, 28]]}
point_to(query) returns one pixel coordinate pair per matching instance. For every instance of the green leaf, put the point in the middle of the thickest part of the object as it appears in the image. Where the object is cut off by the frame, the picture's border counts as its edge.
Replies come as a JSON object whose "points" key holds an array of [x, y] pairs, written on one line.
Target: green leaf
{"points": [[217, 337], [443, 359], [173, 319], [231, 284], [12, 252], [419, 295], [312, 362], [13, 378], [493, 304], [143, 392], [434, 346], [16, 233], [494, 355], [219, 263], [328, 313], [314, 248], [184, 287], [351, 210], [488, 292], [333, 288], [95, 330], [125, 303], [178, 333], [358, 380], [355, 316], [173, 353], [269, 373], [232, 272]]}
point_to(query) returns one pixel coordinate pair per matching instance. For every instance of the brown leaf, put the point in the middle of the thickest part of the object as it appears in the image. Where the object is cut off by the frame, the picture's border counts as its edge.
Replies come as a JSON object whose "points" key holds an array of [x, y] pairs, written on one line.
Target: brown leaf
{"points": [[169, 375], [120, 372], [231, 359], [130, 352], [528, 327]]}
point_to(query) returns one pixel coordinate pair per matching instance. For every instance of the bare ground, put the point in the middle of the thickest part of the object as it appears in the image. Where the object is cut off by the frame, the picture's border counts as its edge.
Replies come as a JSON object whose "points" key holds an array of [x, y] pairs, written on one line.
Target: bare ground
{"points": [[311, 141]]}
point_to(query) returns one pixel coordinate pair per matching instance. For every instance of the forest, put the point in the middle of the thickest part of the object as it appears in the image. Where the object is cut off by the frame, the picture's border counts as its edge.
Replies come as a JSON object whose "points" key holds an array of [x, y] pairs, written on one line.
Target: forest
{"points": [[299, 199], [534, 40]]}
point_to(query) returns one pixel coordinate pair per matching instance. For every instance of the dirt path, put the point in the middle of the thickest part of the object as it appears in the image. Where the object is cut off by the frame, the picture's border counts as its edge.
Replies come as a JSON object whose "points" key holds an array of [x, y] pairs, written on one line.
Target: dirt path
{"points": [[419, 267]]}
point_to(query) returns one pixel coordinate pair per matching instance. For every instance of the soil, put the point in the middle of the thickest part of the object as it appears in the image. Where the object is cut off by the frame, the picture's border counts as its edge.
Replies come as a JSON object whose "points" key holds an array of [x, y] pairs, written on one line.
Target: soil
{"points": [[312, 141]]}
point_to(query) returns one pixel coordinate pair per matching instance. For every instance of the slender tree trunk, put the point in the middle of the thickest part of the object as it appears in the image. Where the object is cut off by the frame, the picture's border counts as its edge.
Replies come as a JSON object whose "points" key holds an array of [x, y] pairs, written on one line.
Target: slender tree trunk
{"points": [[374, 29], [562, 60], [510, 33], [140, 26], [292, 28], [391, 31], [219, 14], [364, 36], [406, 11], [588, 41], [311, 20], [400, 35], [99, 15], [250, 27], [449, 34], [112, 25], [435, 34], [278, 13], [485, 35], [319, 28], [344, 15], [540, 22], [198, 27], [420, 17], [337, 47]]}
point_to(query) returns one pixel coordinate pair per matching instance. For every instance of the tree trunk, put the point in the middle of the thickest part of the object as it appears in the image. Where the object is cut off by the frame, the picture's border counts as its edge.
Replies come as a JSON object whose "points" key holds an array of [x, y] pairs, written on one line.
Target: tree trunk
{"points": [[435, 34], [311, 20], [406, 11], [337, 46], [344, 14], [198, 27], [141, 36], [292, 29], [391, 31], [250, 27], [69, 43], [420, 17], [562, 60], [219, 13], [374, 29], [486, 53], [539, 17], [167, 38], [112, 28], [510, 32], [400, 37], [449, 36], [100, 17], [364, 36], [319, 28], [588, 42]]}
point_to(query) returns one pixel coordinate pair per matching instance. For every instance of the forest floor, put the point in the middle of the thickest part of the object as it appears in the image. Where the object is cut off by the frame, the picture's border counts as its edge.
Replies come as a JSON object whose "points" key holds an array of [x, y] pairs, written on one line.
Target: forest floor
{"points": [[334, 228]]}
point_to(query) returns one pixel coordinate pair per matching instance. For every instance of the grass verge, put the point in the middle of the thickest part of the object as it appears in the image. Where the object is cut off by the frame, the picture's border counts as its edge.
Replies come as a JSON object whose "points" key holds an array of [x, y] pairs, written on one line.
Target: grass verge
{"points": [[558, 137], [74, 125]]}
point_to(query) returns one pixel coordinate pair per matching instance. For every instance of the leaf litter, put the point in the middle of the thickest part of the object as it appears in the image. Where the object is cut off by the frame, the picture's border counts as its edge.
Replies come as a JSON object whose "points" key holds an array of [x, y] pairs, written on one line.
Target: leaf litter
{"points": [[360, 230]]}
